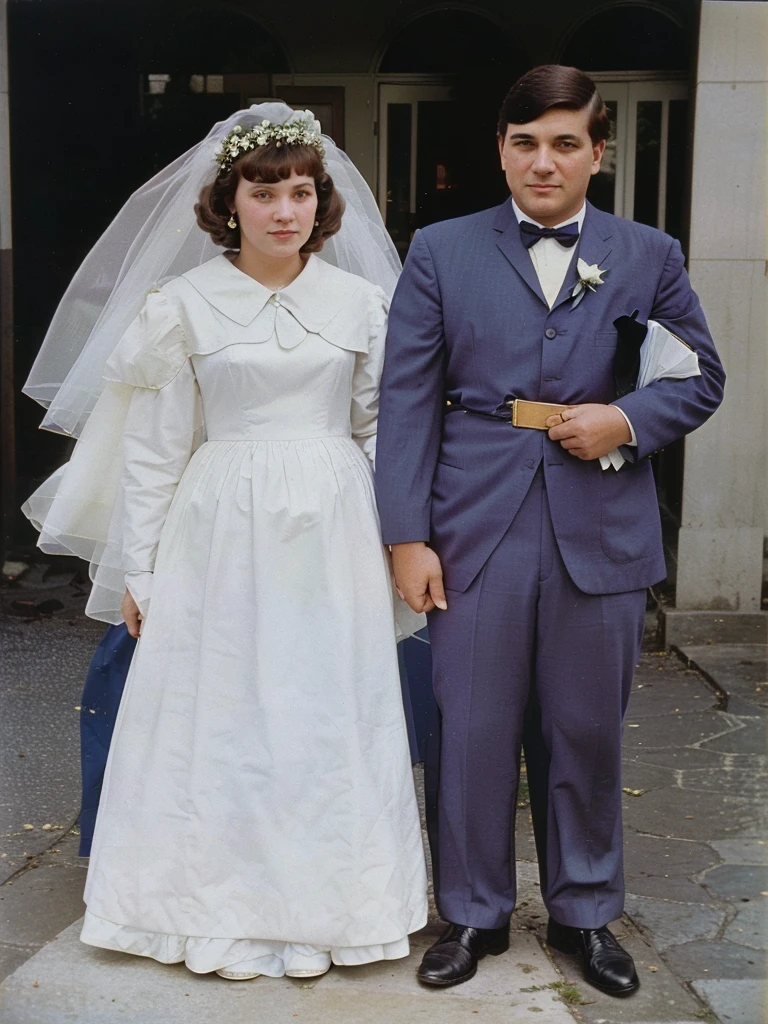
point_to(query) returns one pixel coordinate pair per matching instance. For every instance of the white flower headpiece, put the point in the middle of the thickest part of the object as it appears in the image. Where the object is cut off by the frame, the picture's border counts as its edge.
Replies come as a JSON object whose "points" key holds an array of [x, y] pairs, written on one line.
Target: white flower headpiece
{"points": [[302, 130]]}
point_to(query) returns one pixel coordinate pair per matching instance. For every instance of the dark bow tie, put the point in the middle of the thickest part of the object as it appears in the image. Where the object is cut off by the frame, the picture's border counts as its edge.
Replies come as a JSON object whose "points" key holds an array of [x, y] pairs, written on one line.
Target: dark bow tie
{"points": [[530, 234]]}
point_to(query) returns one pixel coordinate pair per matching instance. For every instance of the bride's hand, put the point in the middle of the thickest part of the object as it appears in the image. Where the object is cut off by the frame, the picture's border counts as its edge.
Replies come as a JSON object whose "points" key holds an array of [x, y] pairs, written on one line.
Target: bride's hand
{"points": [[130, 612]]}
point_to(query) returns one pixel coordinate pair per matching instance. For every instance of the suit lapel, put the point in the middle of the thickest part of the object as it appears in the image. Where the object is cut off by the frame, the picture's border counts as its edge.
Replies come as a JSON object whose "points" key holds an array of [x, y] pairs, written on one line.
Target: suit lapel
{"points": [[510, 243], [593, 247]]}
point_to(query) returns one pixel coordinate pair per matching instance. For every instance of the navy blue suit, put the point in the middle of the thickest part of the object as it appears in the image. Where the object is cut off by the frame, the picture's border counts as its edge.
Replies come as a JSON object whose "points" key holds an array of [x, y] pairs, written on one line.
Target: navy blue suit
{"points": [[545, 557]]}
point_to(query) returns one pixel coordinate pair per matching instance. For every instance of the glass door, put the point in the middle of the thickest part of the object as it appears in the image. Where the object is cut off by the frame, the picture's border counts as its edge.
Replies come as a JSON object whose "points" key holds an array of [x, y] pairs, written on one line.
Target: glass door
{"points": [[643, 172], [417, 152]]}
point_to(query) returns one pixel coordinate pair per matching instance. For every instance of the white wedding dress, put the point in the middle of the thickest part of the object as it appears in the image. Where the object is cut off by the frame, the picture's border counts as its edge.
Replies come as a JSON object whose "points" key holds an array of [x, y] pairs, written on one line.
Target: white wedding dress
{"points": [[258, 802]]}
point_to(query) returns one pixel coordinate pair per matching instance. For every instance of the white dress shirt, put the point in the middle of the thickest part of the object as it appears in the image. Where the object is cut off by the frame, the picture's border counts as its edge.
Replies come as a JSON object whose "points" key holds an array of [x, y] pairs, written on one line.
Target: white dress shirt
{"points": [[551, 261]]}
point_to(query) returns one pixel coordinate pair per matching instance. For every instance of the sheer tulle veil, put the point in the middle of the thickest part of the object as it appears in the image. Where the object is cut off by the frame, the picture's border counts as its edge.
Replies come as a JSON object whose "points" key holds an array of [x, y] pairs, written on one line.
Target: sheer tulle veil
{"points": [[154, 237]]}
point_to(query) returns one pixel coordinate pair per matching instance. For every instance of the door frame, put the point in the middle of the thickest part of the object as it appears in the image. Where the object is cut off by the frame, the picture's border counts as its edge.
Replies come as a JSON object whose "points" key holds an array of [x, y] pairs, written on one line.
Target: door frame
{"points": [[627, 93], [413, 94]]}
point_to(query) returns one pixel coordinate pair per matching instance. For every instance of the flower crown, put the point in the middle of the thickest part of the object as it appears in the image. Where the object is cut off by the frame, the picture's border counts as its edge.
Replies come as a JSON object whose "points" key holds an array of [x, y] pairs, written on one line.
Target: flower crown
{"points": [[301, 130]]}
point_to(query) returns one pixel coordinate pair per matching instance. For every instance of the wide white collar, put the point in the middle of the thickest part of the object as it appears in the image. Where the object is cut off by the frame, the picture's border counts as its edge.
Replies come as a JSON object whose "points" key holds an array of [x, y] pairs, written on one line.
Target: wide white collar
{"points": [[318, 301], [313, 298]]}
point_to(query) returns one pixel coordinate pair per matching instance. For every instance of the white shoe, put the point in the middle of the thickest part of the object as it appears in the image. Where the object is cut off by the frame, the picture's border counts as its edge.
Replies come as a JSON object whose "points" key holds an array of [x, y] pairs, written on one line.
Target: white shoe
{"points": [[307, 973]]}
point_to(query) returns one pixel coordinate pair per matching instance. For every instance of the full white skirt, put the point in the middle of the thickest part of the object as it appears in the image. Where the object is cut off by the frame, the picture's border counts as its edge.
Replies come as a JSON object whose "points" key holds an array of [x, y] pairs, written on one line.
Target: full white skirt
{"points": [[258, 800]]}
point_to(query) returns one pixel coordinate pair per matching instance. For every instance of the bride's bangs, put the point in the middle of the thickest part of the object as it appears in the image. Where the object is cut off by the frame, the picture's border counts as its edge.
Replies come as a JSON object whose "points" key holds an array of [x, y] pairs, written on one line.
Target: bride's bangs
{"points": [[270, 164]]}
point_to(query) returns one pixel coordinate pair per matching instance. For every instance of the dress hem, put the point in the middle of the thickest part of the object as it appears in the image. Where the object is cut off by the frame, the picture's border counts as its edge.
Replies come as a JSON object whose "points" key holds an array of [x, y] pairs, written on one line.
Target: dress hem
{"points": [[201, 955]]}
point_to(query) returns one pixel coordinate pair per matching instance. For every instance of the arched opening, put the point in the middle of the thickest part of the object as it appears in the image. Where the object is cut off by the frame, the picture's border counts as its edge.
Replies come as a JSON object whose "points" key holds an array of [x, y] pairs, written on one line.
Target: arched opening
{"points": [[627, 37], [442, 78]]}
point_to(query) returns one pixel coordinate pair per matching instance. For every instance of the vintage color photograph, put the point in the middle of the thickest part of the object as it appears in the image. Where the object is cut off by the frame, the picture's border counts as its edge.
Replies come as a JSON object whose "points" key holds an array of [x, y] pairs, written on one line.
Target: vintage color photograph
{"points": [[384, 592]]}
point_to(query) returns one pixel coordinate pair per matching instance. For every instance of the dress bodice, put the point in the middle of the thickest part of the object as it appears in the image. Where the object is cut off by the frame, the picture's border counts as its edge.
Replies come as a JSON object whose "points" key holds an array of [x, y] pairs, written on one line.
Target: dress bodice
{"points": [[299, 363], [268, 393]]}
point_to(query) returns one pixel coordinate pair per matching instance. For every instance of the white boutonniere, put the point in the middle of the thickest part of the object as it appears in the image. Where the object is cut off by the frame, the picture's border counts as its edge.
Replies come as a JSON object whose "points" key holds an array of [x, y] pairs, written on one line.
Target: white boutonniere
{"points": [[590, 276]]}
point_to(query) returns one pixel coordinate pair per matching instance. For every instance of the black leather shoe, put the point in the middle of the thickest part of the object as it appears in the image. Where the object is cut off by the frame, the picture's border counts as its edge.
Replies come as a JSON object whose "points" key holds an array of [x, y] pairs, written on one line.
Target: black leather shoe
{"points": [[606, 964], [453, 958]]}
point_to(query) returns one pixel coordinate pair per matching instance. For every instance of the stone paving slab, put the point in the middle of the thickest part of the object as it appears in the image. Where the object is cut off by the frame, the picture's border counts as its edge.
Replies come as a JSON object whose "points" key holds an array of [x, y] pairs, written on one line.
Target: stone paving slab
{"points": [[662, 867], [69, 982], [738, 670], [42, 671], [660, 1000], [672, 923], [687, 814], [735, 1002], [715, 957]]}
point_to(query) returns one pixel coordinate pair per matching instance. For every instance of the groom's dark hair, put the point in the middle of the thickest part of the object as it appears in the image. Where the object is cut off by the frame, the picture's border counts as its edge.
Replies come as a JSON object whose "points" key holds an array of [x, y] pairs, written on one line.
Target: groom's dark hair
{"points": [[553, 86]]}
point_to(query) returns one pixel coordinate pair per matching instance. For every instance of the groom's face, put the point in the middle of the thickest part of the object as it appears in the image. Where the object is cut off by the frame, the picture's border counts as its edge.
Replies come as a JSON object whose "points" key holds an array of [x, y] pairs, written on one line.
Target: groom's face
{"points": [[548, 164]]}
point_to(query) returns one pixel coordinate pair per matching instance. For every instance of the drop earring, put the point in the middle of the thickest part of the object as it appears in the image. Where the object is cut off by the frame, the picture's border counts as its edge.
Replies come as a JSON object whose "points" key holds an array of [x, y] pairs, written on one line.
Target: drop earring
{"points": [[232, 223], [317, 223]]}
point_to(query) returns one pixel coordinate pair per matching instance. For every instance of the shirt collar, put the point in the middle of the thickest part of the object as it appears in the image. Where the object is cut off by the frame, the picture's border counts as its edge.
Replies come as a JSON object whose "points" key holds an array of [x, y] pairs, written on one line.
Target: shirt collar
{"points": [[578, 219]]}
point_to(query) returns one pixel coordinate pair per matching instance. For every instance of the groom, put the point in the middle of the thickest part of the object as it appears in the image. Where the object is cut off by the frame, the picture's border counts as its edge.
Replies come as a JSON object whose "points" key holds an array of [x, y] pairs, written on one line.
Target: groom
{"points": [[532, 560]]}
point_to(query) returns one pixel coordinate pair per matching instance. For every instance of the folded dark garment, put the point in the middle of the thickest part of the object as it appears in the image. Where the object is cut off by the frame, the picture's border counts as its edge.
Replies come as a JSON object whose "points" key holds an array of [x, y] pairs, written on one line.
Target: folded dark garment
{"points": [[626, 362]]}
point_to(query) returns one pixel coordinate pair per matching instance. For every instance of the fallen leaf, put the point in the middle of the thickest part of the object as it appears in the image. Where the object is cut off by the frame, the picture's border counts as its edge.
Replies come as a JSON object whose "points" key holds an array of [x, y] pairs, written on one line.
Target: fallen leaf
{"points": [[35, 984], [47, 828], [652, 968], [689, 817], [78, 707], [632, 792], [28, 828]]}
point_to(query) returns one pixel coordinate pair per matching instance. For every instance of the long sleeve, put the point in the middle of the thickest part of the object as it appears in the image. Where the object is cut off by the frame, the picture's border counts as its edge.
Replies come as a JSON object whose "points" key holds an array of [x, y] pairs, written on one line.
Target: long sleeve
{"points": [[668, 409], [160, 436], [412, 401], [367, 377]]}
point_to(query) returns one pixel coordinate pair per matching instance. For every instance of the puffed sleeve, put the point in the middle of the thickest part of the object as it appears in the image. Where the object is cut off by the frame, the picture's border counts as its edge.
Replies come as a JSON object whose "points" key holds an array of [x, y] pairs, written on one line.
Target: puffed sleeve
{"points": [[161, 432], [367, 376]]}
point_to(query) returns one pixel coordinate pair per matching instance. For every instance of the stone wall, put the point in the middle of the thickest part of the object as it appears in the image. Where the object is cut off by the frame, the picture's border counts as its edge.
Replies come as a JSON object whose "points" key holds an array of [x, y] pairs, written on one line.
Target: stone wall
{"points": [[724, 497]]}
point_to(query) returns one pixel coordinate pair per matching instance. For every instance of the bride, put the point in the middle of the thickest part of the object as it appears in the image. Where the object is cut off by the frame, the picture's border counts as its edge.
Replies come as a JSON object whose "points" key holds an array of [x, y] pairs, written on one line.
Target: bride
{"points": [[258, 813]]}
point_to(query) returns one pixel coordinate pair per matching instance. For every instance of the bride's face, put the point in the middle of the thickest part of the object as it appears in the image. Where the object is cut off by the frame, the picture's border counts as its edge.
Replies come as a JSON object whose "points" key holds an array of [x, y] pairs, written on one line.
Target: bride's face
{"points": [[276, 220]]}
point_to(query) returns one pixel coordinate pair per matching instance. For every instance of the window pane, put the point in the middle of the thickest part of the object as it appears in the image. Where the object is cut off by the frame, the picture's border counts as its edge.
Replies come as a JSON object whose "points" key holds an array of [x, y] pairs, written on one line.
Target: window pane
{"points": [[399, 174], [648, 162], [602, 188]]}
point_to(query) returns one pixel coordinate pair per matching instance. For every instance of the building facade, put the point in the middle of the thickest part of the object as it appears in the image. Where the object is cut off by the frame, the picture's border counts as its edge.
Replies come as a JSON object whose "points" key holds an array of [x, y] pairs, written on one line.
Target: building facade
{"points": [[101, 94]]}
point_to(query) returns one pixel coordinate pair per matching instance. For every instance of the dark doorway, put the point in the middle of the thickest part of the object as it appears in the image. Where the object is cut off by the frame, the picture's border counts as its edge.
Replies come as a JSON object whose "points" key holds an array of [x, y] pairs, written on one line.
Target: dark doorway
{"points": [[97, 105], [439, 138]]}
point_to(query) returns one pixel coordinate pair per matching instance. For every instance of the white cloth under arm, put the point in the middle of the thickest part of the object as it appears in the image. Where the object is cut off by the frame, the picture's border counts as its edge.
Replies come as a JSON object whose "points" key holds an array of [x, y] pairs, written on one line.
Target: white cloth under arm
{"points": [[364, 410], [158, 443]]}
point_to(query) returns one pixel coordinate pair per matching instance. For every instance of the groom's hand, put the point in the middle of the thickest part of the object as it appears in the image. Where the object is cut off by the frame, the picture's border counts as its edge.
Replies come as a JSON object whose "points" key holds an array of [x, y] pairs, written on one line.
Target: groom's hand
{"points": [[589, 431], [418, 576]]}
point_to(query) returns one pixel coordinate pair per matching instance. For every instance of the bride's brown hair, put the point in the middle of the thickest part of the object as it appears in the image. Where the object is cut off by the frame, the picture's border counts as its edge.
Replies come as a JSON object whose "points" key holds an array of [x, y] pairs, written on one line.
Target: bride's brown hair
{"points": [[270, 164]]}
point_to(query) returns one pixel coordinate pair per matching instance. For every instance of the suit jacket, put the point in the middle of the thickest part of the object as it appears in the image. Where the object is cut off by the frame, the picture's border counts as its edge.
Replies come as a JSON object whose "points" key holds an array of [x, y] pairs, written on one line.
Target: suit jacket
{"points": [[469, 325]]}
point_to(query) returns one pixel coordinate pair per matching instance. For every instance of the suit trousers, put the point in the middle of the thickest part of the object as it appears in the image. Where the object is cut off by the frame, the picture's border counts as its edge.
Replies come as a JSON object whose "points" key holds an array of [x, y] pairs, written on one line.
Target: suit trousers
{"points": [[523, 636]]}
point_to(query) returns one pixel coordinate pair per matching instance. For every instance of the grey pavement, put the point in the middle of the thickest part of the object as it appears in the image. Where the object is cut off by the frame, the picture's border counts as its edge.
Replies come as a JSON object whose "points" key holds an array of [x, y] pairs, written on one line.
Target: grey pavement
{"points": [[696, 857]]}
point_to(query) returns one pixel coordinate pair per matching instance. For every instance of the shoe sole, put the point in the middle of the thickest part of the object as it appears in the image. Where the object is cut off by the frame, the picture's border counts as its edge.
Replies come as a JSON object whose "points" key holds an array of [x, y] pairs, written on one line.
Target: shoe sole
{"points": [[233, 976], [465, 977]]}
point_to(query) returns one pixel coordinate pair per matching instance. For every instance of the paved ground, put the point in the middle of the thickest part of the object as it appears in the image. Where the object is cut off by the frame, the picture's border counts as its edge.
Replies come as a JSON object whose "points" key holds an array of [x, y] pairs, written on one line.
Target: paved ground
{"points": [[696, 848]]}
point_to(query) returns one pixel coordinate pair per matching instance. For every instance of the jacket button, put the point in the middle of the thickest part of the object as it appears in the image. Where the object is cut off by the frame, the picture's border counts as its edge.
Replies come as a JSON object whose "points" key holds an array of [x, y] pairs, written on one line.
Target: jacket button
{"points": [[550, 333]]}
